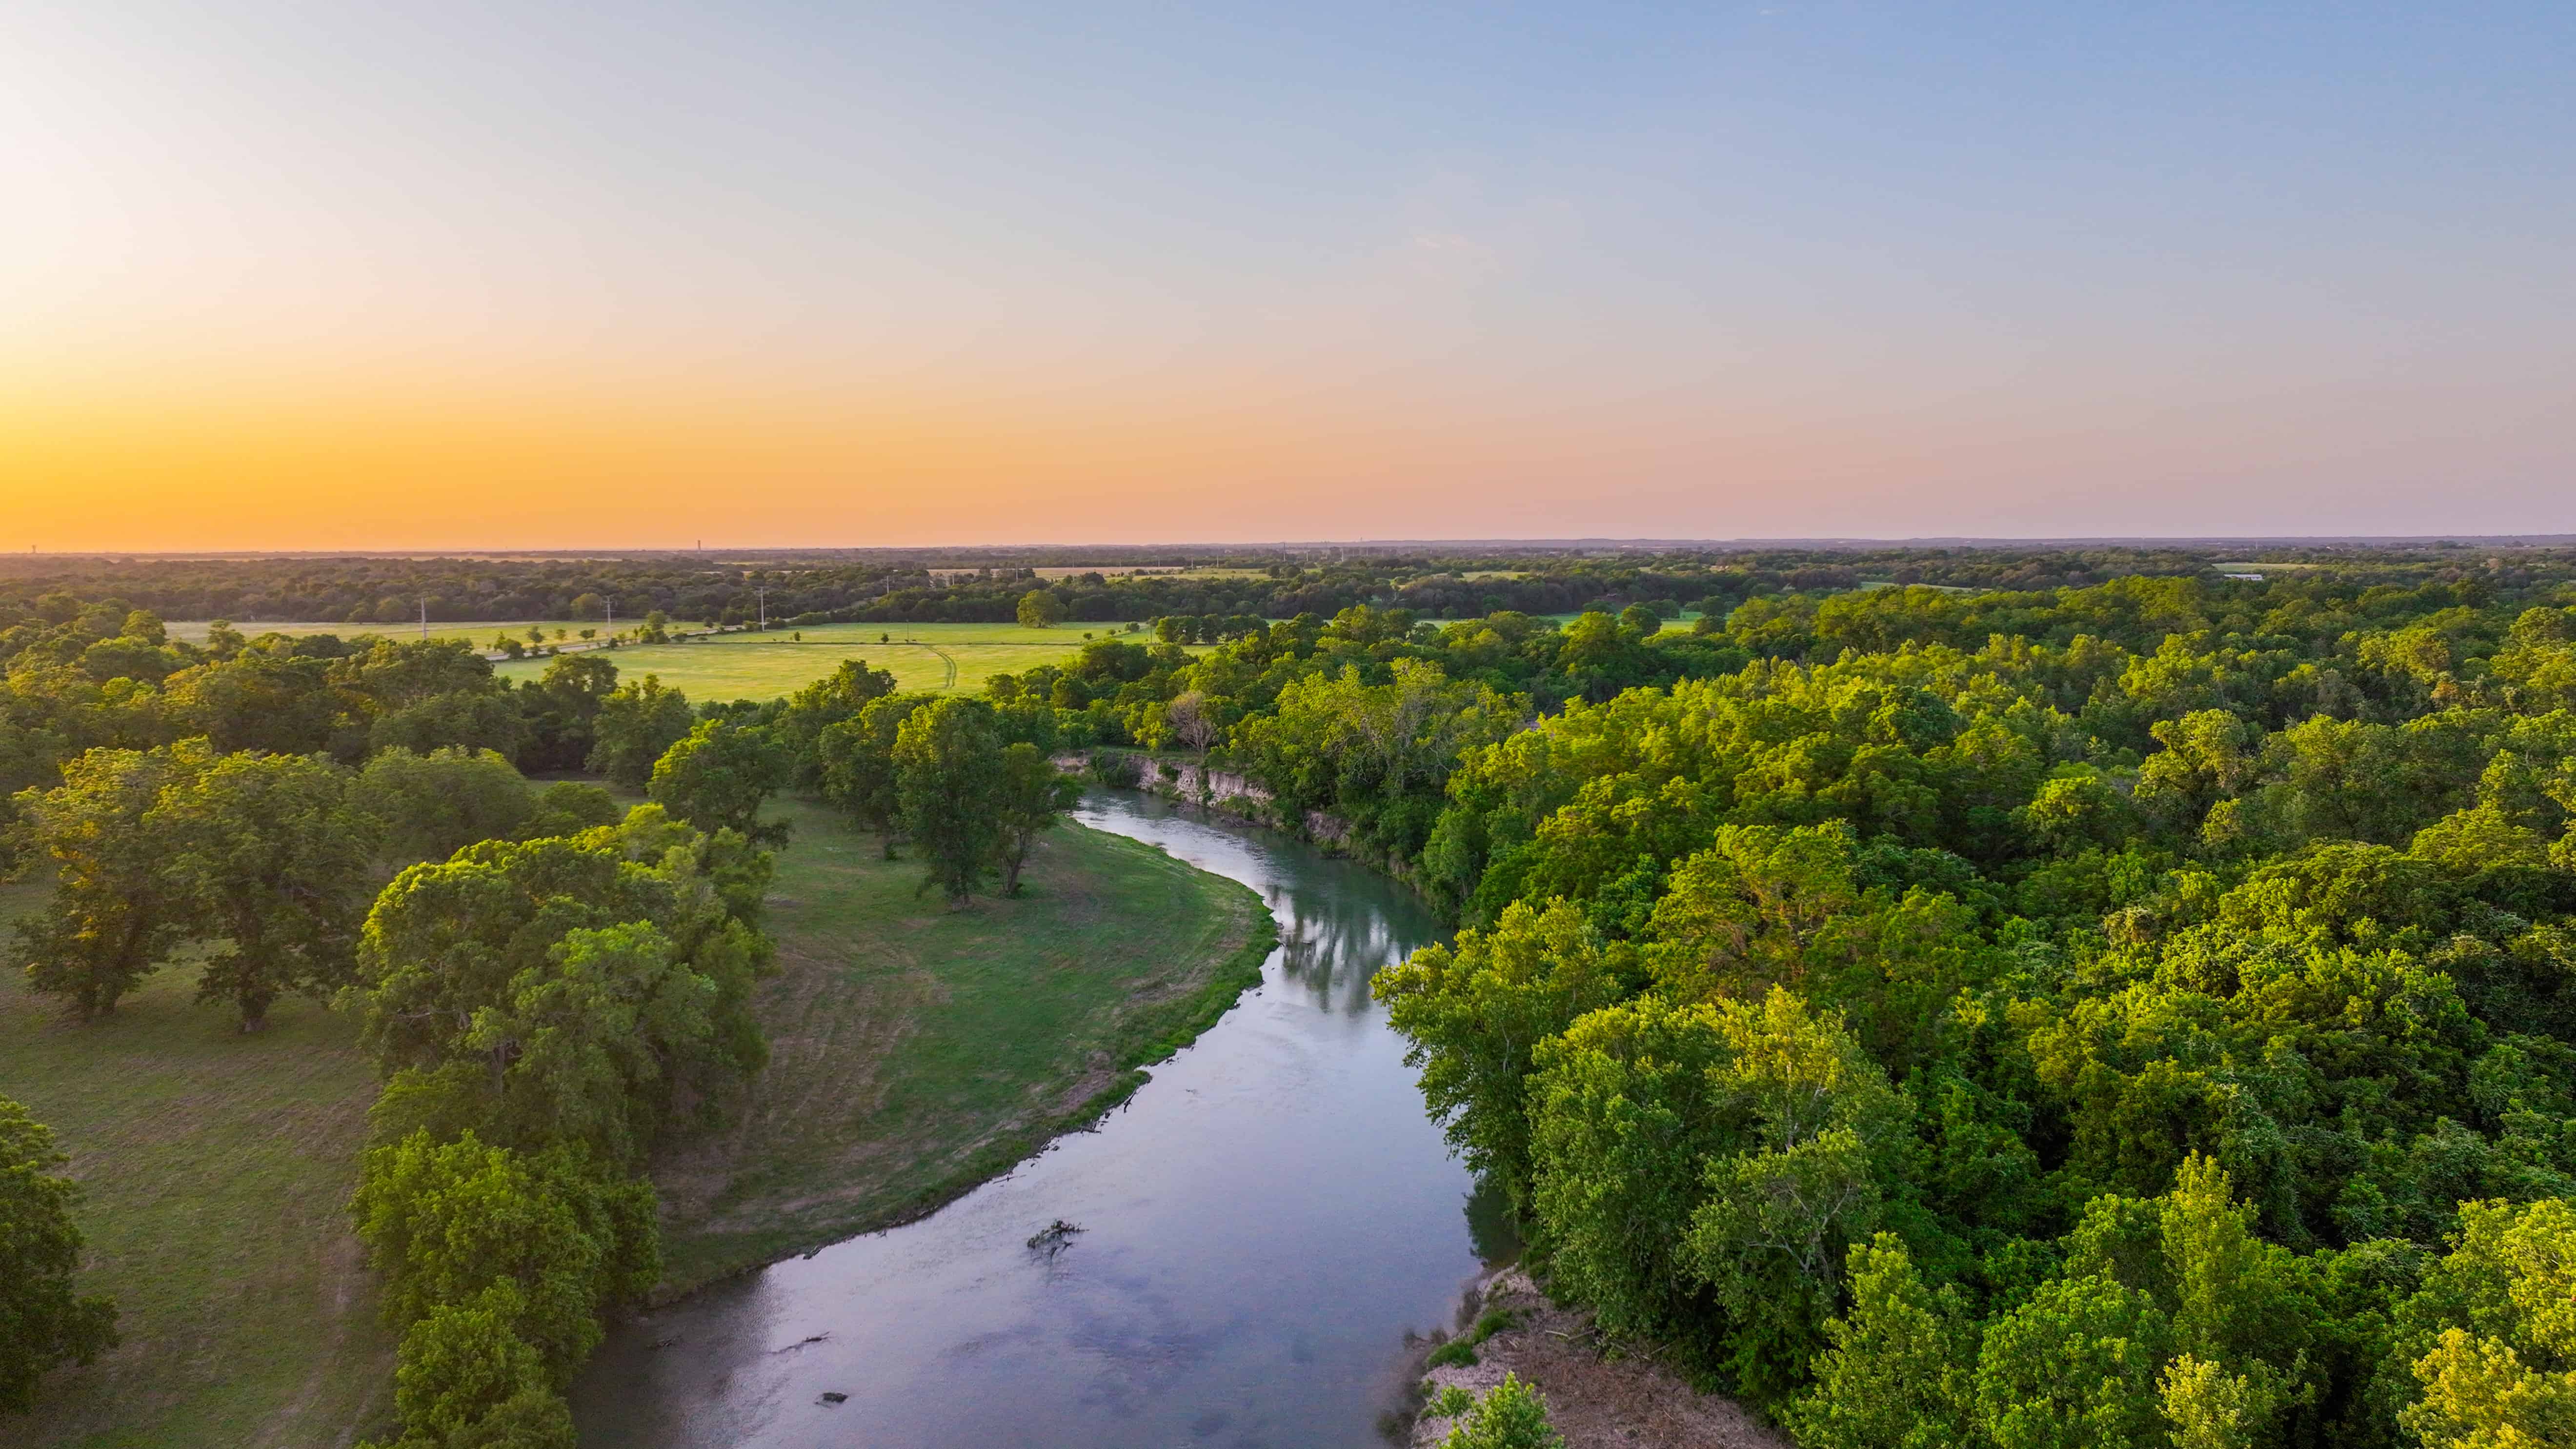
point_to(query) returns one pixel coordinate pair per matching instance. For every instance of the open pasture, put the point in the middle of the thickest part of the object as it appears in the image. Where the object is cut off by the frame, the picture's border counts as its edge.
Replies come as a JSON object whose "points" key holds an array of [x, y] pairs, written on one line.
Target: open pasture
{"points": [[942, 657]]}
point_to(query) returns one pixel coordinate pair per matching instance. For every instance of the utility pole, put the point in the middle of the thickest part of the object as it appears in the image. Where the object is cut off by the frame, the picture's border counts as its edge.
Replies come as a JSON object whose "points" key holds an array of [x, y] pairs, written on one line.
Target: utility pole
{"points": [[764, 609], [612, 618]]}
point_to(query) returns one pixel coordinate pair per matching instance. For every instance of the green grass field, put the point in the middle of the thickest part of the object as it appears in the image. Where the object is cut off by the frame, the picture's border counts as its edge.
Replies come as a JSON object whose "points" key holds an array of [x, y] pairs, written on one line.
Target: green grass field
{"points": [[914, 1052], [215, 1167], [945, 657]]}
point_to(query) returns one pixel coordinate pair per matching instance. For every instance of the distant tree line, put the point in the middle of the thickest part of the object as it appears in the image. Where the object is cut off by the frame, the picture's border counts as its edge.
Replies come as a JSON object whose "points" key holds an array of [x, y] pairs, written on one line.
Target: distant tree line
{"points": [[899, 586]]}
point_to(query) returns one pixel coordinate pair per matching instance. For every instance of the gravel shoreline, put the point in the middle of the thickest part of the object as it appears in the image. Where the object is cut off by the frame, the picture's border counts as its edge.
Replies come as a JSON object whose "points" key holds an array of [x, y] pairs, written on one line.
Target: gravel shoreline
{"points": [[1595, 1402]]}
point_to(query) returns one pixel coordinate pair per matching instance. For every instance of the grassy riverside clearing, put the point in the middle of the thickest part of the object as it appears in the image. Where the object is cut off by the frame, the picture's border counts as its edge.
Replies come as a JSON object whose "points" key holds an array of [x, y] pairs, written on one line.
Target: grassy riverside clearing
{"points": [[215, 1167], [944, 657], [915, 1051]]}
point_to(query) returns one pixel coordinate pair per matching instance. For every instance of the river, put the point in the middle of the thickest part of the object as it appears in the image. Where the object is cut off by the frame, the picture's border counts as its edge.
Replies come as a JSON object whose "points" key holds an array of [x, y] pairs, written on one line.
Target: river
{"points": [[1262, 1223]]}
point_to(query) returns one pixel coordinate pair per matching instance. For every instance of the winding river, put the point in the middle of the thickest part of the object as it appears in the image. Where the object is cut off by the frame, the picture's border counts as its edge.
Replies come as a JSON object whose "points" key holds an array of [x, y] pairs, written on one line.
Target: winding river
{"points": [[1261, 1225]]}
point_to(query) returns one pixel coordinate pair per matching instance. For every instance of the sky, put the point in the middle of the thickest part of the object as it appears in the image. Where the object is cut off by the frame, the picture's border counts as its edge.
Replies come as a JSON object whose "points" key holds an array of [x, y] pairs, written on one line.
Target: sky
{"points": [[529, 275]]}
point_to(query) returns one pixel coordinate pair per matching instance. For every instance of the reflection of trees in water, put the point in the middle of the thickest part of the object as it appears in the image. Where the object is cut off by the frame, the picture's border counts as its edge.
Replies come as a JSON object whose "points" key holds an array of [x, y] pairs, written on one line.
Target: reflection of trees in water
{"points": [[1333, 938]]}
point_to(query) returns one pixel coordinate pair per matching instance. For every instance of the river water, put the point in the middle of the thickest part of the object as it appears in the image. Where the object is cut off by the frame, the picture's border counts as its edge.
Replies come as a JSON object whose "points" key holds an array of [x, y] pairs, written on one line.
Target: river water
{"points": [[1262, 1224]]}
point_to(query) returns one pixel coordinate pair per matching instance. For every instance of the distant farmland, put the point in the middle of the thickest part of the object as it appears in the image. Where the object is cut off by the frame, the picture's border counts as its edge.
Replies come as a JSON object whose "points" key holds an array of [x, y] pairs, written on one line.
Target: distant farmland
{"points": [[920, 656]]}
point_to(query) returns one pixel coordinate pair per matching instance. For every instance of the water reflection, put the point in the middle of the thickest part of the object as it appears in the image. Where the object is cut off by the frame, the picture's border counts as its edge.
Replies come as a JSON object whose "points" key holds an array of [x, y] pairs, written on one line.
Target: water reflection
{"points": [[1263, 1223]]}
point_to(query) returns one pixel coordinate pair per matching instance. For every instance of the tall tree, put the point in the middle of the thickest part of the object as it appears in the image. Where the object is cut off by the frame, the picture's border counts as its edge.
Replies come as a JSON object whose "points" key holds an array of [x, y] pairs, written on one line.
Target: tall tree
{"points": [[274, 859], [428, 807], [856, 765], [948, 774], [1040, 609], [563, 989], [1031, 796], [718, 775], [116, 910], [636, 723], [43, 1322], [828, 701]]}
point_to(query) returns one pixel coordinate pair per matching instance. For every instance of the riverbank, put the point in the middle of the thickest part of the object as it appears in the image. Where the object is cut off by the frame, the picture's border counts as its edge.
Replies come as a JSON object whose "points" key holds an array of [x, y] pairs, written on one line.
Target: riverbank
{"points": [[1596, 1402], [916, 1051]]}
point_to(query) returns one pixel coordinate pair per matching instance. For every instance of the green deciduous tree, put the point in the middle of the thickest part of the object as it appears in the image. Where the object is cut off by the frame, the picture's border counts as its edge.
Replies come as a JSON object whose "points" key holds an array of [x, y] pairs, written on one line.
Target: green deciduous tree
{"points": [[855, 762], [948, 776], [1475, 1012], [43, 1322], [718, 775], [2074, 1368], [275, 860], [446, 1221], [116, 910], [2499, 1370], [431, 806], [636, 723], [1896, 1375], [1040, 609], [464, 1376], [560, 989], [1031, 797], [828, 701]]}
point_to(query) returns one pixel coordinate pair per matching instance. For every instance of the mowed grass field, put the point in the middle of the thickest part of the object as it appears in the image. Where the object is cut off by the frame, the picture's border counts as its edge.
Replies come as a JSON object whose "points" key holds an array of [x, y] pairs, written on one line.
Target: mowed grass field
{"points": [[215, 1168], [479, 635], [914, 1052], [756, 665]]}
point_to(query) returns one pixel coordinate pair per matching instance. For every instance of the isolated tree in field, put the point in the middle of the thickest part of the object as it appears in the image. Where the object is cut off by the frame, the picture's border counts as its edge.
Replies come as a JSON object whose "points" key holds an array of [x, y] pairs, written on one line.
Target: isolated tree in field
{"points": [[116, 909], [855, 765], [719, 775], [42, 1322], [948, 775], [1032, 796], [275, 861], [637, 722], [428, 807], [1040, 609]]}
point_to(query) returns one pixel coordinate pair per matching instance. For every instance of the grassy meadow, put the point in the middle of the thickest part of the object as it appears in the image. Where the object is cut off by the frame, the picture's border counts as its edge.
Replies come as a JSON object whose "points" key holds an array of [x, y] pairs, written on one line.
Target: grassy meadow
{"points": [[914, 1052], [944, 657], [214, 1167]]}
